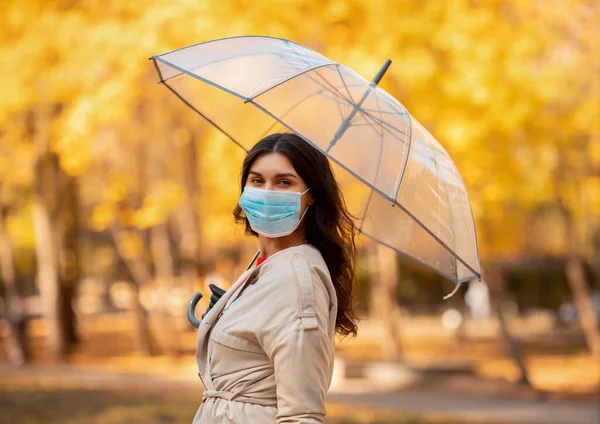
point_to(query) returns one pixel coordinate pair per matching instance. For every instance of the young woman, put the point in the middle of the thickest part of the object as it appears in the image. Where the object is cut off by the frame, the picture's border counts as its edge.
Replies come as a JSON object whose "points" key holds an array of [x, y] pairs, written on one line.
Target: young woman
{"points": [[265, 349]]}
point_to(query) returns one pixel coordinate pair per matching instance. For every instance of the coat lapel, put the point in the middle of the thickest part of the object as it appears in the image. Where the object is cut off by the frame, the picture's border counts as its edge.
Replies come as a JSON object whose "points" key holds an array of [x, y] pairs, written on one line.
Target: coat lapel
{"points": [[211, 317], [207, 323]]}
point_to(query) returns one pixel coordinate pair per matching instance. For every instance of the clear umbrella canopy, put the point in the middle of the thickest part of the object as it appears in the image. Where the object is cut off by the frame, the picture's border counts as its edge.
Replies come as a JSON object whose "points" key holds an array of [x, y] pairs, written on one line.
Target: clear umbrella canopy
{"points": [[399, 182]]}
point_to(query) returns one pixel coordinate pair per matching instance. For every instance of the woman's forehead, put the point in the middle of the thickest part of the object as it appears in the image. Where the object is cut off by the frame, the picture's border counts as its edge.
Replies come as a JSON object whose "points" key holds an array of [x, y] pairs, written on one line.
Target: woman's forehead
{"points": [[272, 163]]}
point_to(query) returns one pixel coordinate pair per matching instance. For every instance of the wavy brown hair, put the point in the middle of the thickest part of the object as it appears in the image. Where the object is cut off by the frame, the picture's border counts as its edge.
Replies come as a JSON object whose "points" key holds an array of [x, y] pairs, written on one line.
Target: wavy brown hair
{"points": [[328, 224]]}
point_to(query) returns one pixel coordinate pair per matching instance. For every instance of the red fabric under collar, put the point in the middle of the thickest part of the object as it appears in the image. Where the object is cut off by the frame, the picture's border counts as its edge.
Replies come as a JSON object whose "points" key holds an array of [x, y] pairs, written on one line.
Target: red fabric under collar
{"points": [[260, 260]]}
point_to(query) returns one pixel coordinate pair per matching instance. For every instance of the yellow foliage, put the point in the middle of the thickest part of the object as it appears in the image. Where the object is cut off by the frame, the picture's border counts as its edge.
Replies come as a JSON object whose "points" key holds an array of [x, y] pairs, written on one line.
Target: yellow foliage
{"points": [[77, 160], [131, 244], [20, 230], [117, 188], [592, 192], [594, 150], [127, 217], [508, 87], [102, 216], [165, 197]]}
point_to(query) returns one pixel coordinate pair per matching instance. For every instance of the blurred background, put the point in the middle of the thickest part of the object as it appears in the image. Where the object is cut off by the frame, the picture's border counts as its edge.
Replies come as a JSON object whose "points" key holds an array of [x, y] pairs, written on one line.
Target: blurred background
{"points": [[116, 200]]}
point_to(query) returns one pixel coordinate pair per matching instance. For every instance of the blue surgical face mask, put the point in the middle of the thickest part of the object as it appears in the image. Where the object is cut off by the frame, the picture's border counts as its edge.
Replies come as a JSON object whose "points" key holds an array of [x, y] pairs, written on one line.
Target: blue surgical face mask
{"points": [[272, 213]]}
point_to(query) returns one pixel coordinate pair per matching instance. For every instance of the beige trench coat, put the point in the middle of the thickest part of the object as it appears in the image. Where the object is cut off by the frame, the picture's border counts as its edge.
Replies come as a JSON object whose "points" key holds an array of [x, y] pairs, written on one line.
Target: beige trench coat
{"points": [[265, 350]]}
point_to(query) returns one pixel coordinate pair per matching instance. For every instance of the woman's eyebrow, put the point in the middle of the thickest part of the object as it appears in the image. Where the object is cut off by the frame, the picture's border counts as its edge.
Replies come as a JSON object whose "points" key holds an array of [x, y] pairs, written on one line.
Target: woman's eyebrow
{"points": [[284, 174]]}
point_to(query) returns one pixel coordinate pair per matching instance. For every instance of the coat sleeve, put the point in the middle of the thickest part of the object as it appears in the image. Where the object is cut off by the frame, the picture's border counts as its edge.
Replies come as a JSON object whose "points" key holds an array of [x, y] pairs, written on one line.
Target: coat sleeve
{"points": [[301, 352], [300, 360]]}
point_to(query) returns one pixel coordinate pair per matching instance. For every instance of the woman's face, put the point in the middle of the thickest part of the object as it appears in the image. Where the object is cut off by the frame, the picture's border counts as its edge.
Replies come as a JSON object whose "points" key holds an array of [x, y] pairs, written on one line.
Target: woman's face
{"points": [[274, 171]]}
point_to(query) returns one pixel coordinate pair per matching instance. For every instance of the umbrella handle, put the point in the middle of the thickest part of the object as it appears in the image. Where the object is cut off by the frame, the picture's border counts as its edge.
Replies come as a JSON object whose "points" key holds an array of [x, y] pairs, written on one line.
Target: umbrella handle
{"points": [[192, 308], [197, 296]]}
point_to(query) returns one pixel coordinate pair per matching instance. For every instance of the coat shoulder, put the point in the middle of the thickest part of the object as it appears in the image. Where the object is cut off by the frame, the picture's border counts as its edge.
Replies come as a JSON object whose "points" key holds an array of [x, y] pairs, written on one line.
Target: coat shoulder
{"points": [[293, 286], [296, 269], [306, 254]]}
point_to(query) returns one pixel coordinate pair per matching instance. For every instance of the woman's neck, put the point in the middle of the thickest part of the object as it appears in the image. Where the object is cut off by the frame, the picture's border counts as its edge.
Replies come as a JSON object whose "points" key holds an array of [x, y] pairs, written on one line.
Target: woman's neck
{"points": [[269, 246]]}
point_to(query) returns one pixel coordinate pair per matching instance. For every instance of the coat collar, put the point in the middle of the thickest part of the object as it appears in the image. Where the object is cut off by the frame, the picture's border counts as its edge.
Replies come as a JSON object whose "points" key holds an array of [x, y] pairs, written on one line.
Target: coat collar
{"points": [[211, 315]]}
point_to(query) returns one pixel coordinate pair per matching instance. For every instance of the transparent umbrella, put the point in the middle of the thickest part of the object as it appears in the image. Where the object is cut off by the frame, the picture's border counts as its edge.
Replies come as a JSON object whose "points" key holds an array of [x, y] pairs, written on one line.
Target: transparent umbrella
{"points": [[398, 181]]}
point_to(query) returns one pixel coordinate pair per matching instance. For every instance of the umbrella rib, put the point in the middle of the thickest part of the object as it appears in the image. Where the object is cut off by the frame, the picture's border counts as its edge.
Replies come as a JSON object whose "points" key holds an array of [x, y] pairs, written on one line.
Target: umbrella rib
{"points": [[408, 150], [159, 57], [382, 194], [157, 69], [406, 255], [401, 176], [320, 84], [344, 82], [333, 99], [374, 180], [346, 123], [283, 81], [292, 108], [382, 122], [305, 72], [335, 90], [338, 104], [209, 82], [324, 79], [369, 118], [451, 226], [239, 36], [357, 109], [224, 59], [333, 87], [437, 175], [204, 116], [383, 112], [474, 235], [364, 217]]}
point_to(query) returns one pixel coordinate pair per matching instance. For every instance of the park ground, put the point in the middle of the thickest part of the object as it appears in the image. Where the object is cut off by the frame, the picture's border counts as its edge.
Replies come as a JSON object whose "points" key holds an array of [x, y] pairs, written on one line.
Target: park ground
{"points": [[106, 382]]}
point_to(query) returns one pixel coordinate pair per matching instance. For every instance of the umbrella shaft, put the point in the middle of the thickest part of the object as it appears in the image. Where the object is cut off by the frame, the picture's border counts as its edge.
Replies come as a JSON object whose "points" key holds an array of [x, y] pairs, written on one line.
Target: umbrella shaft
{"points": [[342, 129]]}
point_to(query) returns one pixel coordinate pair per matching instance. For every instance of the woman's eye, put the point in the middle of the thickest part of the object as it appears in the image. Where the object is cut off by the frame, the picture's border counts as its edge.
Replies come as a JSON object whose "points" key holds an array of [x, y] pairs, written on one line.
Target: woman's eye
{"points": [[284, 182], [256, 180]]}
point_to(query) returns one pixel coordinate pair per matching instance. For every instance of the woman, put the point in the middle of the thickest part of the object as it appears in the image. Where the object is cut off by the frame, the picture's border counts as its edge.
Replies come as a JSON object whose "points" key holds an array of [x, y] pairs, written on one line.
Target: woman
{"points": [[265, 350]]}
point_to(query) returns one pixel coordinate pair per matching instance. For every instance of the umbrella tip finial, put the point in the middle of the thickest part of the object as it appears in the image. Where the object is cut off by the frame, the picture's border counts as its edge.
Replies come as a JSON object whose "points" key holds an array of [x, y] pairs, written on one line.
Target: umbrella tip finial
{"points": [[381, 72]]}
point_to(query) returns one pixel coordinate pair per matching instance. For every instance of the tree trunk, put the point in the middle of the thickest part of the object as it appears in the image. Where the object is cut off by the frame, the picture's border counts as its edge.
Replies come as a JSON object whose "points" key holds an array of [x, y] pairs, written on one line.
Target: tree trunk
{"points": [[142, 339], [576, 278], [596, 257], [69, 256], [46, 206], [191, 218], [583, 301], [384, 300], [47, 271], [495, 279], [141, 275], [15, 340], [187, 229], [55, 215], [163, 264]]}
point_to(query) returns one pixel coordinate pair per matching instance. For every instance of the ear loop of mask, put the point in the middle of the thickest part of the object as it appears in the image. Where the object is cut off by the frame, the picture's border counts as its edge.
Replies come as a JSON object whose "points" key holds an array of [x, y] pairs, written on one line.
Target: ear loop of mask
{"points": [[305, 210]]}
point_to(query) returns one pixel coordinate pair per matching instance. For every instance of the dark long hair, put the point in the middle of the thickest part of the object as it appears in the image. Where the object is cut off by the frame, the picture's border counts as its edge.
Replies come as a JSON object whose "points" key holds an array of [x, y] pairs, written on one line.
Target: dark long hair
{"points": [[329, 227]]}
